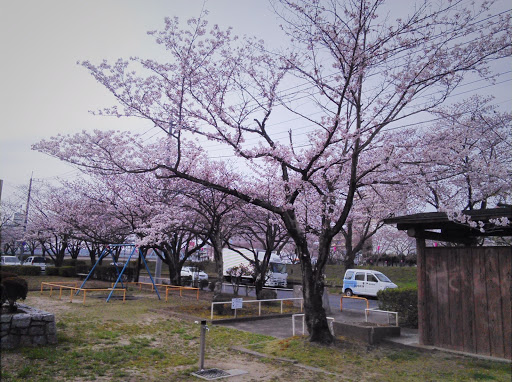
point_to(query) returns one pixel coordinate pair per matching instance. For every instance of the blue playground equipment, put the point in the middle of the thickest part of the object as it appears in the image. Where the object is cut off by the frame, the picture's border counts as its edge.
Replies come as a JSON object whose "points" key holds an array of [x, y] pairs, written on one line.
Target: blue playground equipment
{"points": [[109, 251]]}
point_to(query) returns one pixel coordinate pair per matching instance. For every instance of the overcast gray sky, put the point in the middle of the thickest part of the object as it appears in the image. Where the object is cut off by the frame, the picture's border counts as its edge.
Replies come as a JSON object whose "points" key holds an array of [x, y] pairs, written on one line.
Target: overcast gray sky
{"points": [[43, 92]]}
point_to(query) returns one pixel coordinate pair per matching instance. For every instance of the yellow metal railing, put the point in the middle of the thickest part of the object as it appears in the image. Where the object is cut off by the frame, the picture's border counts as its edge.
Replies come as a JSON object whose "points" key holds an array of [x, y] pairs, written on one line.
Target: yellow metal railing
{"points": [[167, 288], [75, 290]]}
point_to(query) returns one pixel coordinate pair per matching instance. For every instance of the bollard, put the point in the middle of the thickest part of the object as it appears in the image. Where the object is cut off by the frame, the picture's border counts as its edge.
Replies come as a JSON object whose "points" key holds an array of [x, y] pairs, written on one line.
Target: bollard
{"points": [[202, 344]]}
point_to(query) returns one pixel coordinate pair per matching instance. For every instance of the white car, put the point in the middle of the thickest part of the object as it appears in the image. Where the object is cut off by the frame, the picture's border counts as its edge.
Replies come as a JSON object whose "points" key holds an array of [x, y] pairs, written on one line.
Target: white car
{"points": [[365, 282], [193, 273], [36, 261], [10, 260]]}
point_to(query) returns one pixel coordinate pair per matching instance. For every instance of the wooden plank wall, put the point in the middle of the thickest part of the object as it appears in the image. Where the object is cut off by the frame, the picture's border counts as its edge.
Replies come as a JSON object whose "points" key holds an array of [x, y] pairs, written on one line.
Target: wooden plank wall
{"points": [[467, 300]]}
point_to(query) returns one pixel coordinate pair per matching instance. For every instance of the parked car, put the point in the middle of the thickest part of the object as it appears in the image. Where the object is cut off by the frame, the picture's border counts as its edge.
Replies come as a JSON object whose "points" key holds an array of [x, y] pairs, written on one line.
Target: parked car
{"points": [[10, 260], [36, 261], [193, 273], [365, 282]]}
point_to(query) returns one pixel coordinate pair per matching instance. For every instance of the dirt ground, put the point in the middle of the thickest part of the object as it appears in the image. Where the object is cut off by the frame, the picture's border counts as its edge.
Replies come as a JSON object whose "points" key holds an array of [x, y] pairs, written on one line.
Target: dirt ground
{"points": [[256, 368]]}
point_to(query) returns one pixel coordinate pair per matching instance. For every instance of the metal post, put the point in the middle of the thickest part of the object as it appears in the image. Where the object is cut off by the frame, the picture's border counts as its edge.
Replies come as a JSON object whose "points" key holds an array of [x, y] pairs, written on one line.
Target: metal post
{"points": [[202, 344]]}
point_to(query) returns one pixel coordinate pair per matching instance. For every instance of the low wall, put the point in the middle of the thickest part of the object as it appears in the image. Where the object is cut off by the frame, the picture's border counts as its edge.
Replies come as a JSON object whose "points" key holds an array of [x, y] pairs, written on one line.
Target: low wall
{"points": [[369, 334], [30, 327]]}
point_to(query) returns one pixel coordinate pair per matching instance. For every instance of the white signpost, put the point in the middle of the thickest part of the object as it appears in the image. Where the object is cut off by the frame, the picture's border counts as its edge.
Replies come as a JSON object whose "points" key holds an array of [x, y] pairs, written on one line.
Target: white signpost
{"points": [[236, 303]]}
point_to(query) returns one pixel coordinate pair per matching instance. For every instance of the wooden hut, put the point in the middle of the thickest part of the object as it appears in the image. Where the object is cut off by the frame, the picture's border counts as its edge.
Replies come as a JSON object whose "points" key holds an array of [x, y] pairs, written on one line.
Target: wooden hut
{"points": [[464, 297]]}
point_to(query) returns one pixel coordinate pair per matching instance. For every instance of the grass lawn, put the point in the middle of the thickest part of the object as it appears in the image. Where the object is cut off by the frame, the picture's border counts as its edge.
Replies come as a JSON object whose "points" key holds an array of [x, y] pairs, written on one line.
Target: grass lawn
{"points": [[151, 340]]}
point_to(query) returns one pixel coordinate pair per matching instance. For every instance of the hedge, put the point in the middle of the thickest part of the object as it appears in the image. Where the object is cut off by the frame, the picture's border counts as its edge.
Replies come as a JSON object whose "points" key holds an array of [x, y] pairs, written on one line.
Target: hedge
{"points": [[52, 271], [108, 273], [23, 270], [401, 300], [73, 262], [68, 271]]}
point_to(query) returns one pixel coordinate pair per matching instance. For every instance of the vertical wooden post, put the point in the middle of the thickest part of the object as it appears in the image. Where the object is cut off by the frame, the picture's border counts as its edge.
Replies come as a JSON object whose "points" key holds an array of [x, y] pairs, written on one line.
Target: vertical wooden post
{"points": [[424, 337]]}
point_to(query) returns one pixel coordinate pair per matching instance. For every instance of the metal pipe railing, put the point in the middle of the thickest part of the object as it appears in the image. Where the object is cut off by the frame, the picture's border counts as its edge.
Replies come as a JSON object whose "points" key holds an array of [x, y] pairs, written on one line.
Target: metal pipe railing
{"points": [[366, 311], [259, 303]]}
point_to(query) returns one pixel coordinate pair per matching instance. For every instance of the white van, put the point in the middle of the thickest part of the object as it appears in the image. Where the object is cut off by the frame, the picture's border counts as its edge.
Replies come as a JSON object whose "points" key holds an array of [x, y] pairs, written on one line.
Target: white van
{"points": [[365, 282], [36, 261], [10, 260]]}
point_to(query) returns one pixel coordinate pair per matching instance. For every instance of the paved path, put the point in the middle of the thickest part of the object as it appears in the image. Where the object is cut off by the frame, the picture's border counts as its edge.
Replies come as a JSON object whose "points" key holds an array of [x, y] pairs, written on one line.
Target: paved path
{"points": [[282, 327], [334, 299]]}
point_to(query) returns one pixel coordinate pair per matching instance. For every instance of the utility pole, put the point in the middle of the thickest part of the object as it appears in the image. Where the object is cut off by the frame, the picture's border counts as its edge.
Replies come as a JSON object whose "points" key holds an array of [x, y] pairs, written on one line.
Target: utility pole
{"points": [[28, 203]]}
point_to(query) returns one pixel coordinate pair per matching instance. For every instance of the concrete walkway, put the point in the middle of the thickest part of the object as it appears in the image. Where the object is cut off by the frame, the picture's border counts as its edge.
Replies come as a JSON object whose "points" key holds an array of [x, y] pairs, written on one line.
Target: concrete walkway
{"points": [[282, 327]]}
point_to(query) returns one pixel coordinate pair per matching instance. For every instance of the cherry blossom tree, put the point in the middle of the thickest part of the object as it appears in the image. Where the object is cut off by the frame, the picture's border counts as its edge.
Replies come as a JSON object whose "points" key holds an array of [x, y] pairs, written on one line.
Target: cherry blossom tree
{"points": [[468, 152], [351, 73], [174, 231], [218, 216], [390, 240], [10, 231], [260, 232]]}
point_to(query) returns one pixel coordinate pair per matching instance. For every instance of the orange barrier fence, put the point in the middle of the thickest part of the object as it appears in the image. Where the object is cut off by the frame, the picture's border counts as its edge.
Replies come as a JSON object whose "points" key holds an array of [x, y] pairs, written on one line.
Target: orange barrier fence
{"points": [[75, 290], [167, 288]]}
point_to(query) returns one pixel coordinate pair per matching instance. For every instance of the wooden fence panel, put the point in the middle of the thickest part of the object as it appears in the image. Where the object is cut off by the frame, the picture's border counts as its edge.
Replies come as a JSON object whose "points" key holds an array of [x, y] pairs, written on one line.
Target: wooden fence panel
{"points": [[505, 270], [481, 309], [468, 303], [443, 309], [430, 324], [455, 299], [467, 299], [494, 302]]}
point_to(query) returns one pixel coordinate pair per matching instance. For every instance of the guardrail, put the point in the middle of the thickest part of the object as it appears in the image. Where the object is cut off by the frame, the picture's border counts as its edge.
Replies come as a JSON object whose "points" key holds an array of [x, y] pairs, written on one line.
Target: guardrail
{"points": [[356, 298], [75, 290], [259, 303], [366, 311], [330, 321]]}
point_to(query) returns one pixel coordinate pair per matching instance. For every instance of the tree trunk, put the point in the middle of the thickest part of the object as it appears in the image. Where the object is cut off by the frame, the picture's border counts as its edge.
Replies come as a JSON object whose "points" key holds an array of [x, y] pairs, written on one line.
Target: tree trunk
{"points": [[316, 319], [219, 264], [174, 275], [259, 283], [350, 254]]}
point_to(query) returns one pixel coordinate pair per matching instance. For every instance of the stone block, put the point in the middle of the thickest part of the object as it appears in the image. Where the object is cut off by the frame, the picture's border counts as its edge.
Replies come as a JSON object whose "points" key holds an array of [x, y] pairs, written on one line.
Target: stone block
{"points": [[36, 331], [25, 340], [51, 328], [21, 321], [28, 327], [369, 334], [39, 340]]}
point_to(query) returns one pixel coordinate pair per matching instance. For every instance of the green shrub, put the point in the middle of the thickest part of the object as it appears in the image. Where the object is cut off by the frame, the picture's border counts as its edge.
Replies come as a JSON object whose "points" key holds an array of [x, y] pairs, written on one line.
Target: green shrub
{"points": [[73, 262], [401, 300], [203, 284], [23, 270], [11, 290], [108, 273], [268, 294], [220, 308], [68, 271], [82, 267], [52, 271]]}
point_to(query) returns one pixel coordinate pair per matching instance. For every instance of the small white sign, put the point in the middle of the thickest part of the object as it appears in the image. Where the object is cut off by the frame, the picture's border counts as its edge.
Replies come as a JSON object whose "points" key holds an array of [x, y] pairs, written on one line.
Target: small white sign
{"points": [[236, 303]]}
